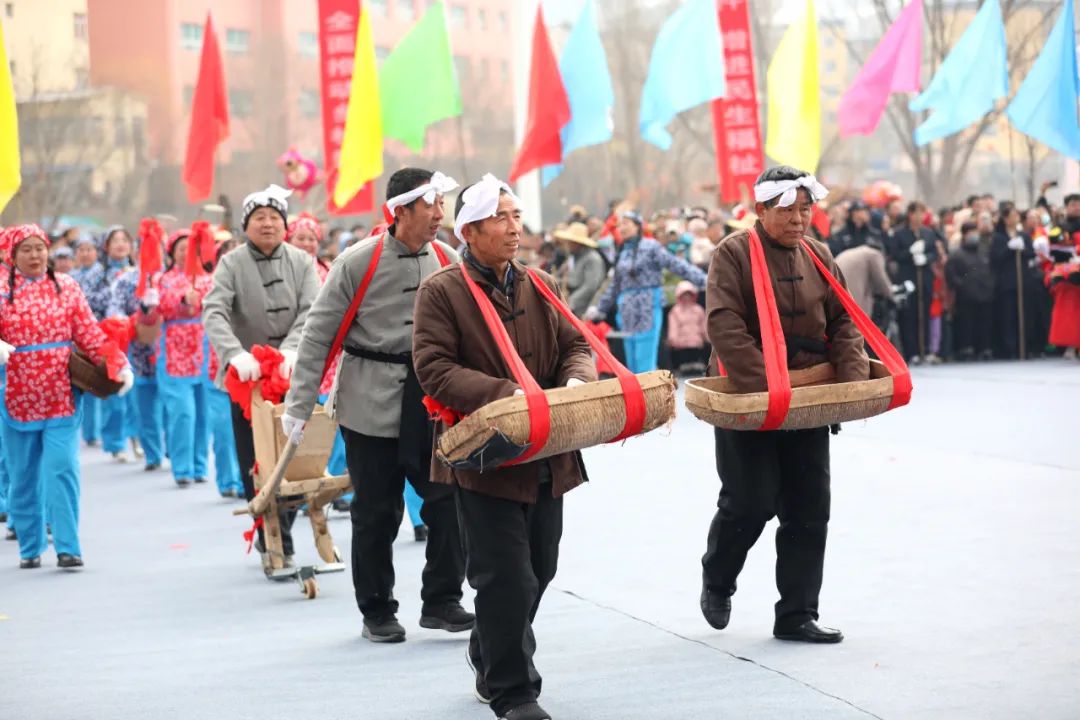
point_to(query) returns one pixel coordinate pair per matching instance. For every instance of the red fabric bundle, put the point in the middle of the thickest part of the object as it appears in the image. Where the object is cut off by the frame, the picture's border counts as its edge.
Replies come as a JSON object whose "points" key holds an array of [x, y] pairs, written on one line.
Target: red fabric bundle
{"points": [[201, 249], [151, 235], [271, 385], [115, 360], [119, 331], [438, 411]]}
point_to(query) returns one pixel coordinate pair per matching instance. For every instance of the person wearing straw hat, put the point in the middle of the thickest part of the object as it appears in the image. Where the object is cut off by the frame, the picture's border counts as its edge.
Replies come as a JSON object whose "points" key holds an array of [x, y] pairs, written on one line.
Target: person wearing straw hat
{"points": [[378, 404], [781, 473], [587, 271], [261, 295], [511, 517], [43, 316]]}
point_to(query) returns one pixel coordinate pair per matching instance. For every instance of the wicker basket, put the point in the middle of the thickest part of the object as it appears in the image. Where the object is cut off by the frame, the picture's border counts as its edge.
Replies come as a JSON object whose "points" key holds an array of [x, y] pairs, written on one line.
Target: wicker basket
{"points": [[581, 416], [91, 378], [817, 400]]}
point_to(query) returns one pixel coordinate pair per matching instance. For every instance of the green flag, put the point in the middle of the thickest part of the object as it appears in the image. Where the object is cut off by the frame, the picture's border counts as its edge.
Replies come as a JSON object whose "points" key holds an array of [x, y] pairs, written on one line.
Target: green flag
{"points": [[417, 82]]}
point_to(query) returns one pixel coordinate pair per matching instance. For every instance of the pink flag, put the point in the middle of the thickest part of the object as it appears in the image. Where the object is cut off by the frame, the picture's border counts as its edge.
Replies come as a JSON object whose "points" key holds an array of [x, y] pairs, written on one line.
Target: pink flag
{"points": [[892, 67]]}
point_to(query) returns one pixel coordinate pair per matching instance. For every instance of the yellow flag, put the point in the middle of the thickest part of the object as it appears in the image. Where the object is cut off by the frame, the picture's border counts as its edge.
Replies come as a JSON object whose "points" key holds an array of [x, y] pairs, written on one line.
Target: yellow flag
{"points": [[362, 145], [793, 131], [10, 177]]}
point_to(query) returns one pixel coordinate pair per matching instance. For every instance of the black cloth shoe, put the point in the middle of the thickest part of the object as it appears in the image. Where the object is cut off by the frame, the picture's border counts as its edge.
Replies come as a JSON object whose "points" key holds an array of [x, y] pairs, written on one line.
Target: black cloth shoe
{"points": [[450, 617], [481, 689], [68, 561], [200, 481], [385, 629], [182, 482], [528, 711], [151, 467], [420, 533], [809, 632], [716, 608], [340, 504], [11, 534], [3, 517], [30, 563]]}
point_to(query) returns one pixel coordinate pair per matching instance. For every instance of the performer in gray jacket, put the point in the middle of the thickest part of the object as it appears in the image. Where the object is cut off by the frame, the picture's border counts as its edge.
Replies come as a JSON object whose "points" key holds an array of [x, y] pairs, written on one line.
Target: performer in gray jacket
{"points": [[261, 296], [377, 402]]}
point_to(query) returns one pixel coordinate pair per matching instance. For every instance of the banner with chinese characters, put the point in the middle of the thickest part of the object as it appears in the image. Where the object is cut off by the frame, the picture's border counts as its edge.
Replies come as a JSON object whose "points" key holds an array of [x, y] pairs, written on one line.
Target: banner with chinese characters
{"points": [[739, 155], [338, 21]]}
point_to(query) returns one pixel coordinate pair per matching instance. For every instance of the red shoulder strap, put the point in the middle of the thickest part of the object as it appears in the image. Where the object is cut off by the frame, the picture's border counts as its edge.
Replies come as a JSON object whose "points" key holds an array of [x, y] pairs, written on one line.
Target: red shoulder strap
{"points": [[633, 394], [440, 253], [539, 411], [892, 359], [350, 314], [773, 344]]}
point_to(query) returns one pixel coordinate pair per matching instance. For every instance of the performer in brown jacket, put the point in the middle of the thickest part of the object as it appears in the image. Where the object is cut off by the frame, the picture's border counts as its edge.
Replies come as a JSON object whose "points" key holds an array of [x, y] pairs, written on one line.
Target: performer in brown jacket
{"points": [[511, 517], [781, 473]]}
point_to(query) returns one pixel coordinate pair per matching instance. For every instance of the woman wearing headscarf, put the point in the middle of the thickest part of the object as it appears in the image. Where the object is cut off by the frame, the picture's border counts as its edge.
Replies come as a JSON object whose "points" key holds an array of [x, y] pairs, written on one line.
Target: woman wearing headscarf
{"points": [[636, 291], [119, 415], [42, 316], [219, 406], [90, 274]]}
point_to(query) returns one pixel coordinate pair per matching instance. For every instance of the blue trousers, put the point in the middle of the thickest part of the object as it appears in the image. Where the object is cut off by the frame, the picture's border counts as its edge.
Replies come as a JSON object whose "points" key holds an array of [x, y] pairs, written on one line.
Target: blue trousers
{"points": [[642, 348], [413, 503], [186, 427], [150, 419], [44, 470], [119, 422], [336, 464], [91, 418], [226, 467], [4, 478]]}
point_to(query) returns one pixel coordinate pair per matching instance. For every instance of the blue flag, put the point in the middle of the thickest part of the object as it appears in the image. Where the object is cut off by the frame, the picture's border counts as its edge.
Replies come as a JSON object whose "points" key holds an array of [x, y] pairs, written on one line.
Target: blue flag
{"points": [[972, 76], [1045, 105], [587, 80], [686, 69]]}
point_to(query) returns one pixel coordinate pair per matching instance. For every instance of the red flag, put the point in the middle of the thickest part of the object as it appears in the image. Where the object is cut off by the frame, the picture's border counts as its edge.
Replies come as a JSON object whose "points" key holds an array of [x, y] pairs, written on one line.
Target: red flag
{"points": [[549, 108], [200, 249], [209, 119], [151, 235]]}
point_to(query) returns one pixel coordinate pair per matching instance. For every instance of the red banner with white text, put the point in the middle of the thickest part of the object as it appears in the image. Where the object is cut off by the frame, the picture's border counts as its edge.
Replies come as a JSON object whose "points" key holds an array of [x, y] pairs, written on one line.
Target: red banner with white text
{"points": [[338, 20], [736, 122]]}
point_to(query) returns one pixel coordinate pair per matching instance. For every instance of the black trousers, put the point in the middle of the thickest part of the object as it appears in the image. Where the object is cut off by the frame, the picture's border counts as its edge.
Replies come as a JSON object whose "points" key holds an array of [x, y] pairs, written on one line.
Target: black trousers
{"points": [[912, 341], [762, 474], [974, 326], [513, 551], [378, 480], [245, 454]]}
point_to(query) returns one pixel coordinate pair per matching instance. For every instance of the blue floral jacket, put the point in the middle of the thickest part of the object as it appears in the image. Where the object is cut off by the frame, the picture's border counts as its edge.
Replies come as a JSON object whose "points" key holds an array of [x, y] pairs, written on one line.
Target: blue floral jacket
{"points": [[123, 303], [639, 272]]}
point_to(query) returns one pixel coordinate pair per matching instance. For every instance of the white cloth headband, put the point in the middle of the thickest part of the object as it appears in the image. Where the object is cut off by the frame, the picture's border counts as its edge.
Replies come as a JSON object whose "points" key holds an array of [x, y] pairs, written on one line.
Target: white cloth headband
{"points": [[480, 202], [788, 190], [438, 185], [273, 196]]}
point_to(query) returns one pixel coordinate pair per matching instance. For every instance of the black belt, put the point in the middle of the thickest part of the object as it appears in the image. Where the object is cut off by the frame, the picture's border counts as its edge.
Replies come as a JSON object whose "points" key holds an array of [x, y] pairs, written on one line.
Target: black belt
{"points": [[394, 358]]}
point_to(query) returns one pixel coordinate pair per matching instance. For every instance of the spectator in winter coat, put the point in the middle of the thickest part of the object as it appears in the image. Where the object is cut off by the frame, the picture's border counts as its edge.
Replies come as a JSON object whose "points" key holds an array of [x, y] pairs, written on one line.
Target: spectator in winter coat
{"points": [[857, 231], [864, 270], [687, 334], [969, 276], [586, 267]]}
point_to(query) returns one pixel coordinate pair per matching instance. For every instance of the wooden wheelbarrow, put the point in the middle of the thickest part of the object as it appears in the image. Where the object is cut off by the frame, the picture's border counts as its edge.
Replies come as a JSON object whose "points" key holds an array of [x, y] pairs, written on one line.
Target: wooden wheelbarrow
{"points": [[290, 472]]}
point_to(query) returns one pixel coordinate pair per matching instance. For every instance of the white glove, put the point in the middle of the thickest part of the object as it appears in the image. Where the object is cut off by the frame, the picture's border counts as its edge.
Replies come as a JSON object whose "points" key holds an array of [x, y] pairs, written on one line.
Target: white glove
{"points": [[574, 382], [919, 259], [293, 428], [1041, 245], [519, 391], [918, 248], [127, 381], [151, 298], [287, 365], [5, 352], [1016, 243], [593, 314], [247, 367]]}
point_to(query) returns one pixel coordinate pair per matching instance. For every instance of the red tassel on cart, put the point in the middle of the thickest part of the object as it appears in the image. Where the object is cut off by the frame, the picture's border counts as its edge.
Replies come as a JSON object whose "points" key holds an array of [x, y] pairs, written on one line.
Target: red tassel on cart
{"points": [[249, 535], [438, 411]]}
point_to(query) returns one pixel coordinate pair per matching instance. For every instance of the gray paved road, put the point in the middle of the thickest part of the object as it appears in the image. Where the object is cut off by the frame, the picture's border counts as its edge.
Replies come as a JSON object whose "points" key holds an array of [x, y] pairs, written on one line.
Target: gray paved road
{"points": [[952, 568]]}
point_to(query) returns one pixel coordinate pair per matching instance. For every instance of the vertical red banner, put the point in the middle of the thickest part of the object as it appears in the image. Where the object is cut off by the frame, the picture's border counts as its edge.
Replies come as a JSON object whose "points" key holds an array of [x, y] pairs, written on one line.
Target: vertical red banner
{"points": [[739, 154], [338, 20]]}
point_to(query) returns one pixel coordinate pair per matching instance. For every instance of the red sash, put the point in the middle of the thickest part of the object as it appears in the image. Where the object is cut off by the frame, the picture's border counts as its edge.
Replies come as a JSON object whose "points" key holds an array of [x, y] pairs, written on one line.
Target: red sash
{"points": [[535, 399], [774, 347]]}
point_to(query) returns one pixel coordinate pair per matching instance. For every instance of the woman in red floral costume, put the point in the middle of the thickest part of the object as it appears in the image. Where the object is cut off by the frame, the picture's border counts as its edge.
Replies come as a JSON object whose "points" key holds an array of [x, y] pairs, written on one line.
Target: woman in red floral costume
{"points": [[42, 315]]}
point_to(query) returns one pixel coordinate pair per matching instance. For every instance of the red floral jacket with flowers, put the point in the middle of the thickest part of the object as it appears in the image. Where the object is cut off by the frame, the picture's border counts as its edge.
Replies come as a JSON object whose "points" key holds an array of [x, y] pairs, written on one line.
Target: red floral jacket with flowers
{"points": [[183, 328], [38, 384]]}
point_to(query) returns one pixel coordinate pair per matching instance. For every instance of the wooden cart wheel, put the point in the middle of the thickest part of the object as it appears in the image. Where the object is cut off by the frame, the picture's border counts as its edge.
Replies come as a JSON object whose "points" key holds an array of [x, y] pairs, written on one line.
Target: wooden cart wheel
{"points": [[311, 588]]}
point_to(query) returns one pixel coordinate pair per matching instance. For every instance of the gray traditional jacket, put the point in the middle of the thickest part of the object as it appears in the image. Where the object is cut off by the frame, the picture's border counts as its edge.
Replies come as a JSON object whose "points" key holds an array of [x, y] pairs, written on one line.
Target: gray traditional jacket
{"points": [[584, 280], [258, 300], [368, 391]]}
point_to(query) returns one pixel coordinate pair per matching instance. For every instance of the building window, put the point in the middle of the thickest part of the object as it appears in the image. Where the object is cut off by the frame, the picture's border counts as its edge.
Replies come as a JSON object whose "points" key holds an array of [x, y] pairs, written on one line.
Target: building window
{"points": [[9, 9], [405, 10], [481, 19], [378, 7], [237, 41], [80, 25], [309, 44], [504, 70], [502, 22], [188, 94], [461, 67], [240, 103], [82, 78], [309, 102], [191, 36], [458, 16]]}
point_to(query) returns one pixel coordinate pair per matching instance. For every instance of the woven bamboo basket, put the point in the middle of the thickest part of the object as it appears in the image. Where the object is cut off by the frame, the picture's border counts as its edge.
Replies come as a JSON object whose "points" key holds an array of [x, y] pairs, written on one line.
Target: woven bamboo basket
{"points": [[817, 399], [91, 378], [581, 416]]}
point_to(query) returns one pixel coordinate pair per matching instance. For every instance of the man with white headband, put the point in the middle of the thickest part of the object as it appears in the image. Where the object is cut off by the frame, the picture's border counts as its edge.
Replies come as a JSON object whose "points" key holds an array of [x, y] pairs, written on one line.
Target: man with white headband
{"points": [[261, 296], [379, 406], [781, 473], [511, 516]]}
